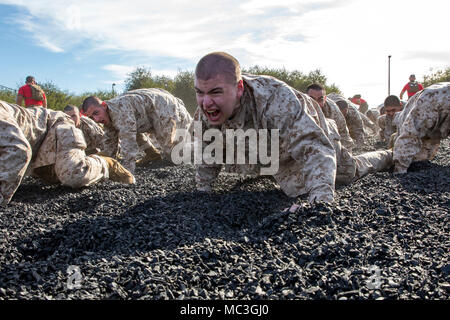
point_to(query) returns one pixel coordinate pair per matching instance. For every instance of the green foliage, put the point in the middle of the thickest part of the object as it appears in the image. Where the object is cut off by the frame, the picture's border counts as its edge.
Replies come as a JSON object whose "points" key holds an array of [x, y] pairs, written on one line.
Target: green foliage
{"points": [[184, 89], [295, 78], [181, 86], [8, 96], [437, 76], [57, 99]]}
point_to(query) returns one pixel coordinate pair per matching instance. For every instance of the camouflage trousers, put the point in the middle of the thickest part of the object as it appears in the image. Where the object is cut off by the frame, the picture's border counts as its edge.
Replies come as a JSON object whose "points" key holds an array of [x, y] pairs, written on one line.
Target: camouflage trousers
{"points": [[71, 168], [351, 168], [15, 155]]}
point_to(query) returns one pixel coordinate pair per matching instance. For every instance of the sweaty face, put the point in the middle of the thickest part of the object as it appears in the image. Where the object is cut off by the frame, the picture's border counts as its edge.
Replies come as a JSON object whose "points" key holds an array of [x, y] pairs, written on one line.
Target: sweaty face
{"points": [[218, 98], [99, 114], [75, 116], [318, 95]]}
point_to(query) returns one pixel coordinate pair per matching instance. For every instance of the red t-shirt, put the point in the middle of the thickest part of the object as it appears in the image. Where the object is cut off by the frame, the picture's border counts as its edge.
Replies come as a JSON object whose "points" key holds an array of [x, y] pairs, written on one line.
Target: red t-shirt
{"points": [[25, 91], [357, 101], [408, 89]]}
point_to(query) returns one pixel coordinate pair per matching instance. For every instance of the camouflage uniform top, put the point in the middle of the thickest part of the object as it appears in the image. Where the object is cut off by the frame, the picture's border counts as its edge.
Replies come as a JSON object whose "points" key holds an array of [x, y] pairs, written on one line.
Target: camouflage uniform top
{"points": [[353, 119], [93, 134], [421, 124], [387, 127], [331, 111], [307, 159], [139, 111]]}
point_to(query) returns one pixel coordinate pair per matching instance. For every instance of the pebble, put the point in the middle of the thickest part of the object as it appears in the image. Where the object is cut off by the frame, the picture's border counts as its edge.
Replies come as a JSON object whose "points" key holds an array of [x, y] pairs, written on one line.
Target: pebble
{"points": [[159, 239]]}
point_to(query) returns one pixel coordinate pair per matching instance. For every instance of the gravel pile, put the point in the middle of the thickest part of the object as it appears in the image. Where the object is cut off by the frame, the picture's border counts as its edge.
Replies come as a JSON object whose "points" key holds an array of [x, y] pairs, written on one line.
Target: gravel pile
{"points": [[384, 237]]}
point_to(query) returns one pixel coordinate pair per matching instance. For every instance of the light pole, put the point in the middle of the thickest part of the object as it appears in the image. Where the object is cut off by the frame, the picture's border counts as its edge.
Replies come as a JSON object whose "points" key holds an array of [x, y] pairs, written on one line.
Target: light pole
{"points": [[112, 87], [389, 75]]}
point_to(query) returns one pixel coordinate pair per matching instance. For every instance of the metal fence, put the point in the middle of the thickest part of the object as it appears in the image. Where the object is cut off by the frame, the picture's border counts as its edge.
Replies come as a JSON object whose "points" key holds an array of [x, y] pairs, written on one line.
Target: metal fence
{"points": [[7, 88]]}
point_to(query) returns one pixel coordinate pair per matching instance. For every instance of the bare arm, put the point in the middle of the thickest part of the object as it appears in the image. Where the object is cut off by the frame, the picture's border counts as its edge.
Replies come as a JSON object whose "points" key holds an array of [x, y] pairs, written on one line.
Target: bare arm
{"points": [[19, 99]]}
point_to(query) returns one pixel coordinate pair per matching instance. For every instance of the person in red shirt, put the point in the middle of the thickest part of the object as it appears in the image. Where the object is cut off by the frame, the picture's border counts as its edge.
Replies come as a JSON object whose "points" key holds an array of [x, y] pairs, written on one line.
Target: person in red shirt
{"points": [[363, 106], [25, 92], [412, 87]]}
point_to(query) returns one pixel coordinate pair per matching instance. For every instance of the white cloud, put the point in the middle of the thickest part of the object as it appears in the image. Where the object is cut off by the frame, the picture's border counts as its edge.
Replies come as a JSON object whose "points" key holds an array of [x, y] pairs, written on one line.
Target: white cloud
{"points": [[118, 71], [348, 40]]}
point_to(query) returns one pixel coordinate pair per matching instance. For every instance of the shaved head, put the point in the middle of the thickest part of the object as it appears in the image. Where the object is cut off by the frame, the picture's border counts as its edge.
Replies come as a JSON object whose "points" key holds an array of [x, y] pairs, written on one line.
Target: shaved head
{"points": [[90, 101], [218, 63]]}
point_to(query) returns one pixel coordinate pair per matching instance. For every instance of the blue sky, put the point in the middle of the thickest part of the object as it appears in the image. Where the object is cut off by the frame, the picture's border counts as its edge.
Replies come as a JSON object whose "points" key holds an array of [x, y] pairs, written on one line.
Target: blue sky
{"points": [[87, 45]]}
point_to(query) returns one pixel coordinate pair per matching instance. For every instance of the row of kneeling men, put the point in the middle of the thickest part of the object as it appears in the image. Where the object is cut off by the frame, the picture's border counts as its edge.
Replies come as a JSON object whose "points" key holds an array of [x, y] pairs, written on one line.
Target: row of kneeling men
{"points": [[314, 133]]}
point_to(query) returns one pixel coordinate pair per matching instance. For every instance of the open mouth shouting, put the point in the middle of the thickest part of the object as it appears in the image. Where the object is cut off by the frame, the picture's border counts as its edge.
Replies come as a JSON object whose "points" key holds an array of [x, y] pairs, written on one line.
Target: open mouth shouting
{"points": [[213, 114]]}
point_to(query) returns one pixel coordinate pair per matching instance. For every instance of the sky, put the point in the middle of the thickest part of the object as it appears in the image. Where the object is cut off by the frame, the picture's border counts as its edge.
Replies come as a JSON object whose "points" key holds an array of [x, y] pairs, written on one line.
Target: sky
{"points": [[89, 45]]}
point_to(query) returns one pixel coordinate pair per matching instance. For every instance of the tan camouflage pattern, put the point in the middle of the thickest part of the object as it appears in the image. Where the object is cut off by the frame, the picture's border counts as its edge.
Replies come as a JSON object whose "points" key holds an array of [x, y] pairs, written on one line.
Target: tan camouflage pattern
{"points": [[141, 111], [369, 125], [387, 127], [373, 115], [331, 111], [93, 135], [35, 137], [422, 123], [353, 119], [308, 141], [351, 168]]}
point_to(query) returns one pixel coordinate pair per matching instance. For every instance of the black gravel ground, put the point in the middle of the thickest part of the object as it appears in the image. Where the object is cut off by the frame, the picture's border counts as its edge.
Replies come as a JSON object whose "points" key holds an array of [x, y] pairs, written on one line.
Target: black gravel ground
{"points": [[385, 237]]}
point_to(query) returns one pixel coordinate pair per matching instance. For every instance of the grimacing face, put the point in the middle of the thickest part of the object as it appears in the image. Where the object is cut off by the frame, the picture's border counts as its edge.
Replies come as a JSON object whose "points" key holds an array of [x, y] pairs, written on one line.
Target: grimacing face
{"points": [[99, 114], [218, 98], [318, 95]]}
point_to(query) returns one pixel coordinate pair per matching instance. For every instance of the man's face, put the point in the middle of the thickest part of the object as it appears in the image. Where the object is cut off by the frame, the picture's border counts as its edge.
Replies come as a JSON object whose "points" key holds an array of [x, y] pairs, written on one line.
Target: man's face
{"points": [[75, 116], [412, 78], [391, 110], [218, 98], [318, 95], [99, 114]]}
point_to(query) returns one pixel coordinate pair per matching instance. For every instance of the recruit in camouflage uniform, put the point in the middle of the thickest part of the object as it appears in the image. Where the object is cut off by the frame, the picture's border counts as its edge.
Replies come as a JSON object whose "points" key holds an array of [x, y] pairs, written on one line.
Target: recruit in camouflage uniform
{"points": [[137, 112], [46, 144], [387, 127], [369, 124], [309, 145], [93, 135], [353, 119], [331, 111], [423, 122]]}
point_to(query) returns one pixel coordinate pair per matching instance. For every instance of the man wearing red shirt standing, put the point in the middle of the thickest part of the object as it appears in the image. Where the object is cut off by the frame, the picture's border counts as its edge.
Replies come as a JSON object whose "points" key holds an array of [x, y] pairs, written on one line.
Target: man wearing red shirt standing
{"points": [[411, 87], [27, 93]]}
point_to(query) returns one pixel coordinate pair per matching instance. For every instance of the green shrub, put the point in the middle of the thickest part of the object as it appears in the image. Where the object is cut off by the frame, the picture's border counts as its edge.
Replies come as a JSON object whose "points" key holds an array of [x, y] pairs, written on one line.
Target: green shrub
{"points": [[8, 96], [437, 76]]}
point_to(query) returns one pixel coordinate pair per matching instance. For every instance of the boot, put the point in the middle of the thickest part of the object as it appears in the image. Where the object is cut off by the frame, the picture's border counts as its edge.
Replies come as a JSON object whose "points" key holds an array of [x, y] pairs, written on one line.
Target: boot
{"points": [[151, 154], [117, 172]]}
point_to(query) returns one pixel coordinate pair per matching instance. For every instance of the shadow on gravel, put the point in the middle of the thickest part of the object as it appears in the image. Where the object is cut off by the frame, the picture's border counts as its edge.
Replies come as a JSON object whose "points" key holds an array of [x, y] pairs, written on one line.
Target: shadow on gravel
{"points": [[165, 223], [426, 177]]}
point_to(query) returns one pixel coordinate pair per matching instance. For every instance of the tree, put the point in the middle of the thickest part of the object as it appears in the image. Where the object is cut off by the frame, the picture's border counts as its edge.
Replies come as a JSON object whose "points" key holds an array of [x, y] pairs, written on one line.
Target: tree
{"points": [[8, 96], [57, 99], [184, 89], [141, 77], [437, 76], [296, 79]]}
